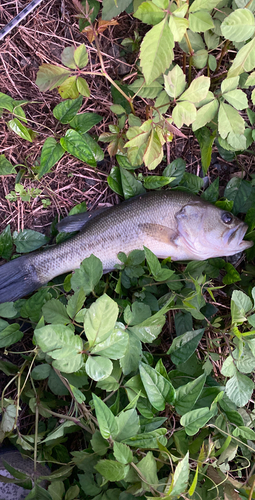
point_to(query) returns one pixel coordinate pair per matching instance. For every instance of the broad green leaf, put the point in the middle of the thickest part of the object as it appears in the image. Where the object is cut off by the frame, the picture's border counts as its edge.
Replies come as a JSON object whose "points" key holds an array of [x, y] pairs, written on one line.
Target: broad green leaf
{"points": [[148, 468], [67, 57], [175, 169], [212, 40], [122, 453], [180, 478], [239, 389], [6, 168], [153, 153], [6, 244], [205, 115], [6, 102], [159, 390], [77, 146], [97, 152], [85, 121], [178, 27], [60, 342], [183, 346], [232, 275], [239, 25], [196, 41], [81, 56], [149, 13], [16, 126], [157, 181], [106, 420], [250, 80], [41, 372], [100, 319], [10, 335], [212, 192], [55, 312], [200, 21], [184, 113], [28, 240], [244, 60], [237, 98], [148, 440], [115, 346], [69, 89], [50, 76], [240, 305], [244, 432], [229, 120], [150, 91], [229, 84], [149, 329], [197, 91], [206, 139], [175, 82], [139, 313], [187, 395], [203, 5], [98, 368], [75, 303], [194, 420], [130, 185], [200, 58], [114, 181], [66, 110], [112, 9], [82, 86], [51, 153], [130, 362], [111, 470], [127, 425], [157, 51]]}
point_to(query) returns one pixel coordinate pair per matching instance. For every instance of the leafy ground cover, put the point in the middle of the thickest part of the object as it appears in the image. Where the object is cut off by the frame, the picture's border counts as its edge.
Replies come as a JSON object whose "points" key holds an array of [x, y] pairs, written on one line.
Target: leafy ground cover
{"points": [[137, 384]]}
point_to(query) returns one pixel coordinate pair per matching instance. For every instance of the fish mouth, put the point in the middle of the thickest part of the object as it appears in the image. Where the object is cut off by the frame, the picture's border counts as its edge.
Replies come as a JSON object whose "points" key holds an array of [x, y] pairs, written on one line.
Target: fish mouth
{"points": [[235, 238]]}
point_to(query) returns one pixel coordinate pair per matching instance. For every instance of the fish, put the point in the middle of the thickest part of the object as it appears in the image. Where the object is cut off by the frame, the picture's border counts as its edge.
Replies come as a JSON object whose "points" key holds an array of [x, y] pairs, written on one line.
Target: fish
{"points": [[170, 223]]}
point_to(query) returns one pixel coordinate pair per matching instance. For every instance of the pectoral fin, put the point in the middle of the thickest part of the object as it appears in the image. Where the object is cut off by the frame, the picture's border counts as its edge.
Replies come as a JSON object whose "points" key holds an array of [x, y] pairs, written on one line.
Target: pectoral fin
{"points": [[160, 233]]}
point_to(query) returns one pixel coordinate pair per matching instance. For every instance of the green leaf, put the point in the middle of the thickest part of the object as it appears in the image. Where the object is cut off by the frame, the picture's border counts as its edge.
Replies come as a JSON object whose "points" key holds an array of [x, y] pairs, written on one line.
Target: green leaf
{"points": [[6, 245], [130, 362], [175, 82], [67, 57], [187, 395], [66, 110], [157, 51], [10, 335], [6, 102], [175, 169], [28, 240], [55, 312], [75, 303], [95, 149], [237, 98], [184, 113], [50, 76], [139, 313], [244, 432], [77, 146], [60, 342], [106, 420], [196, 41], [197, 91], [212, 192], [203, 5], [180, 478], [111, 470], [85, 121], [98, 368], [111, 9], [100, 319], [115, 346], [149, 13], [194, 420], [148, 440], [51, 153], [130, 185], [128, 425], [232, 275], [159, 390], [148, 469], [200, 58], [229, 121], [156, 181], [244, 60], [16, 126], [114, 181], [150, 91], [149, 329], [240, 305], [178, 27], [82, 86], [205, 115], [239, 25], [206, 139], [41, 372], [183, 346], [229, 84], [200, 21], [239, 389], [122, 453], [69, 89], [81, 56], [6, 168]]}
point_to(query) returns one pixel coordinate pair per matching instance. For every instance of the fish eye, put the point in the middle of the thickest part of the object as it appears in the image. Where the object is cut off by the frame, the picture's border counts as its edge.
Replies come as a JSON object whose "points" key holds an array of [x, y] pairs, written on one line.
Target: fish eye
{"points": [[227, 218]]}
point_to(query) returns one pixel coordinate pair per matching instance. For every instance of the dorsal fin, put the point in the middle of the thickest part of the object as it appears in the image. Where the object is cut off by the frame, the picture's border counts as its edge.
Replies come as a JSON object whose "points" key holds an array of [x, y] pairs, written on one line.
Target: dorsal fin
{"points": [[78, 221]]}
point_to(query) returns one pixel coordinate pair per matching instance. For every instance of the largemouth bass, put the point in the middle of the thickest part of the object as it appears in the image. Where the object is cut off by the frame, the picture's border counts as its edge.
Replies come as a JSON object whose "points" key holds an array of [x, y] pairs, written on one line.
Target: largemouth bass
{"points": [[170, 223]]}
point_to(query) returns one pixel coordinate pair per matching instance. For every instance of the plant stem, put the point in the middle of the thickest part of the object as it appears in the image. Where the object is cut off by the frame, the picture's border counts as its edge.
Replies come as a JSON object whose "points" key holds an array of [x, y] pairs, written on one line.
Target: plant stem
{"points": [[223, 52]]}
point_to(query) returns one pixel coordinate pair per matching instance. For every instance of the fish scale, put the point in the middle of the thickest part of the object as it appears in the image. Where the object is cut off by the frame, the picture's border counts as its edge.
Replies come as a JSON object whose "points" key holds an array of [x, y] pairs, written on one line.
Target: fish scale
{"points": [[170, 223], [17, 19]]}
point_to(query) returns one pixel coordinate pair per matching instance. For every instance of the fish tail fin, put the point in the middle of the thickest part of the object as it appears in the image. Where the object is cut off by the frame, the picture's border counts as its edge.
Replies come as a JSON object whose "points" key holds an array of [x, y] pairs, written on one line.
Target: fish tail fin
{"points": [[18, 278]]}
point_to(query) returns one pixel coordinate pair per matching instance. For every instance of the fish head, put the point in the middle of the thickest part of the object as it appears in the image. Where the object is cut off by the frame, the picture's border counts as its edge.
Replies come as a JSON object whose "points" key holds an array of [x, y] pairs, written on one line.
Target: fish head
{"points": [[207, 231]]}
